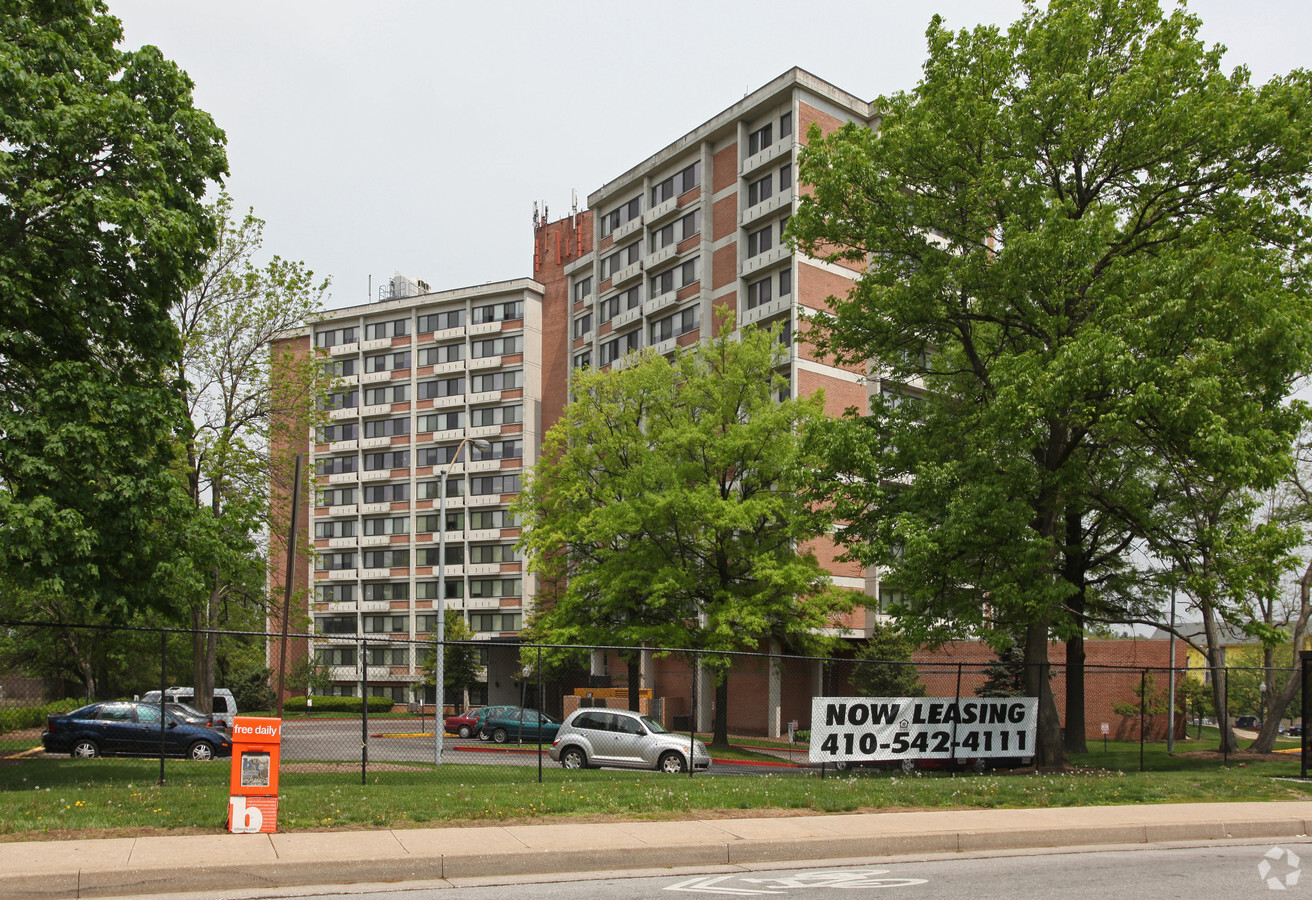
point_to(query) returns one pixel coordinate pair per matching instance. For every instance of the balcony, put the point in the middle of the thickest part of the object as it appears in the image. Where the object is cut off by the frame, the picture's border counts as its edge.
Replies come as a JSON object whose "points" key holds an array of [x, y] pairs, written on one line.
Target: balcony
{"points": [[369, 509], [627, 316], [342, 575], [661, 211], [652, 260], [766, 310], [486, 362], [375, 344], [779, 201], [626, 274], [342, 446], [343, 478], [375, 540], [778, 150], [484, 328], [341, 542], [371, 443], [346, 412], [376, 409], [345, 349], [626, 229], [763, 260], [375, 377]]}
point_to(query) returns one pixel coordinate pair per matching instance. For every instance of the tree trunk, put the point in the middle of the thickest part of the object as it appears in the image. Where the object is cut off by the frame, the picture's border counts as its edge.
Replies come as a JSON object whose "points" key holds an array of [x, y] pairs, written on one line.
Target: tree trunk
{"points": [[1048, 750], [1075, 567], [1216, 662], [720, 736], [1266, 738]]}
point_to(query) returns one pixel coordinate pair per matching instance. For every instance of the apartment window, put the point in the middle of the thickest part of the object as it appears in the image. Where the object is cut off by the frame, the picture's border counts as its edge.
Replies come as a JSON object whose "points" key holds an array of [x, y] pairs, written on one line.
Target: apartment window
{"points": [[386, 590], [427, 524], [389, 656], [785, 125], [680, 276], [336, 656], [677, 324], [437, 456], [443, 421], [582, 288], [442, 387], [331, 434], [336, 497], [495, 587], [378, 330], [613, 306], [392, 393], [482, 485], [386, 625], [386, 559], [677, 231], [625, 343], [625, 256], [583, 360], [582, 325], [785, 176], [328, 562], [335, 593], [486, 554], [760, 292], [487, 519], [759, 241], [455, 555], [499, 312], [427, 590], [429, 490], [335, 529], [390, 459], [435, 356], [760, 189], [336, 336], [759, 139], [512, 449], [497, 381], [387, 362], [494, 621], [425, 623], [785, 282], [342, 399], [386, 493], [335, 465], [341, 368], [678, 183], [500, 346], [389, 525], [497, 415], [621, 215], [387, 427], [441, 321]]}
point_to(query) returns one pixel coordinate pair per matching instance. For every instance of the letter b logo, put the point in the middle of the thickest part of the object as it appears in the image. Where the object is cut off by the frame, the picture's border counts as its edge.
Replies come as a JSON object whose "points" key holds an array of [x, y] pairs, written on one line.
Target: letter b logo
{"points": [[243, 819]]}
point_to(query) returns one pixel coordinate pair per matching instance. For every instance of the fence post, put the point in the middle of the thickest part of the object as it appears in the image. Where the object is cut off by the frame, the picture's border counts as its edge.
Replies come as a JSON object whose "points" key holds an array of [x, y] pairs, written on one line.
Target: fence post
{"points": [[364, 712], [1223, 716], [541, 706], [1305, 657], [163, 686], [1143, 706], [692, 719], [956, 702]]}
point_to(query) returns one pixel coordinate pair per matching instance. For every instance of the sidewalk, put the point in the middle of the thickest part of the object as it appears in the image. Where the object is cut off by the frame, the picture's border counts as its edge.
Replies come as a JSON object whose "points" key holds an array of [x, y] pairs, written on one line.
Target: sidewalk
{"points": [[234, 865]]}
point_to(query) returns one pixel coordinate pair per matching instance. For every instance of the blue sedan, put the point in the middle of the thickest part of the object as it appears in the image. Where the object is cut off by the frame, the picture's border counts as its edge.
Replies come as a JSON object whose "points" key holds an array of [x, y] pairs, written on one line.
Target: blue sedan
{"points": [[129, 729], [515, 724]]}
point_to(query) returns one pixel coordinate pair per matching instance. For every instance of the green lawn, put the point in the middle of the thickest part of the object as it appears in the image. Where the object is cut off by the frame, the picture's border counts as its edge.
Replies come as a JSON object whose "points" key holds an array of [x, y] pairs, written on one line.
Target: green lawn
{"points": [[65, 797]]}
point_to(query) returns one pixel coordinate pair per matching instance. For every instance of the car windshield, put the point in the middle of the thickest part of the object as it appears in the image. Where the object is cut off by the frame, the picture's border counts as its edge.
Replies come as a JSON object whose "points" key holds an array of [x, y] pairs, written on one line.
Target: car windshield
{"points": [[652, 725]]}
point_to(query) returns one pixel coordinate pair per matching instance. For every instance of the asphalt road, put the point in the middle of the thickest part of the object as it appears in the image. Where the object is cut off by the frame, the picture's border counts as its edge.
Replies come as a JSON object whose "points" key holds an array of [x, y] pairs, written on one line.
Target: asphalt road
{"points": [[1225, 872]]}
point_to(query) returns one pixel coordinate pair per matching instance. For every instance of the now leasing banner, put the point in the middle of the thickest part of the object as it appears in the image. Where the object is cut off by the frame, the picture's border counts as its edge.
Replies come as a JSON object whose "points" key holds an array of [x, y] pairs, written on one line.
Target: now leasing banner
{"points": [[851, 729]]}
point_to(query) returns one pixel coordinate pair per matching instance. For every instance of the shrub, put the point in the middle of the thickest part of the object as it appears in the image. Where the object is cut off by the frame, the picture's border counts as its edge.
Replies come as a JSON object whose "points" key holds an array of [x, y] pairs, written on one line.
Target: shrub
{"points": [[338, 704], [14, 718]]}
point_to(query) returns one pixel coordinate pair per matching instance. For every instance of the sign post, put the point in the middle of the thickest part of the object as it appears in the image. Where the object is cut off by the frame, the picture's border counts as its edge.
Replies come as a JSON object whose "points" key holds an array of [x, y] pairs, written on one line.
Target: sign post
{"points": [[253, 804]]}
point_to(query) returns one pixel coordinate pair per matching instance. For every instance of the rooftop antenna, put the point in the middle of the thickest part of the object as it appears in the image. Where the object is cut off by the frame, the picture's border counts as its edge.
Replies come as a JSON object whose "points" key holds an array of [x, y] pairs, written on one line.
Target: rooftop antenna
{"points": [[574, 206], [536, 220]]}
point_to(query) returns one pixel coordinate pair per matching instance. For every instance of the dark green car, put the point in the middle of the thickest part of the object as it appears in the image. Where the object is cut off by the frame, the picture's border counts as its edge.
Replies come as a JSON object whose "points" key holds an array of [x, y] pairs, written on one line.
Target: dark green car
{"points": [[511, 723]]}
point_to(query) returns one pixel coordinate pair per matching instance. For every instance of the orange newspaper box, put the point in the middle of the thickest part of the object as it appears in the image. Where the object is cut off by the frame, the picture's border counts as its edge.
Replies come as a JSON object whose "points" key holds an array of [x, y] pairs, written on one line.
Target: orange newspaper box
{"points": [[253, 804]]}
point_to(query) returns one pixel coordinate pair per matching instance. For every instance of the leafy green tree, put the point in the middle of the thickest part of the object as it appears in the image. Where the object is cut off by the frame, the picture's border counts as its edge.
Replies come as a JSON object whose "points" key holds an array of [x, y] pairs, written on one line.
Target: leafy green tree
{"points": [[461, 668], [883, 666], [666, 510], [1086, 244], [103, 166], [228, 322]]}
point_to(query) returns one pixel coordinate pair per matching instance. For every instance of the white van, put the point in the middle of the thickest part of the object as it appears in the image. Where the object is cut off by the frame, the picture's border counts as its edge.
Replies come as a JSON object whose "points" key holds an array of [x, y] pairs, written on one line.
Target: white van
{"points": [[225, 707]]}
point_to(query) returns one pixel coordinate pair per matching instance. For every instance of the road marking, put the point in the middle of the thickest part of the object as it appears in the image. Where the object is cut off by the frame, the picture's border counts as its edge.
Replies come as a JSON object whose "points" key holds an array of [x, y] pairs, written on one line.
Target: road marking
{"points": [[709, 885], [821, 878]]}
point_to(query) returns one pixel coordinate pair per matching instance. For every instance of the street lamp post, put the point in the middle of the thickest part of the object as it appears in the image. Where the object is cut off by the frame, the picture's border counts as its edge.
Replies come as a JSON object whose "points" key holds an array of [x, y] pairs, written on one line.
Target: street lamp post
{"points": [[439, 718]]}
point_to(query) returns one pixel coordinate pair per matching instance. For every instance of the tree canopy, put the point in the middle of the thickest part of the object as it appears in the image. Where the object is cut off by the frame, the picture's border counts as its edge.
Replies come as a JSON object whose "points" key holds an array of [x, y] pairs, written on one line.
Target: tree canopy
{"points": [[104, 162], [666, 510], [1084, 245]]}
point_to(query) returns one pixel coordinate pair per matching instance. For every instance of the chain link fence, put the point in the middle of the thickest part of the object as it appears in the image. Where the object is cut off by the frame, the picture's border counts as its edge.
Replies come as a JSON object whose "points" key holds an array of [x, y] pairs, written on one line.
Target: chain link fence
{"points": [[367, 703]]}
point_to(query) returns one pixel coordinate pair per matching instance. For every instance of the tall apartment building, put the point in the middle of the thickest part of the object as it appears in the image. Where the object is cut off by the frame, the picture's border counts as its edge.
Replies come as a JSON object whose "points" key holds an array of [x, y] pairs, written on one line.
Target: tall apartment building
{"points": [[660, 254], [420, 373], [691, 232]]}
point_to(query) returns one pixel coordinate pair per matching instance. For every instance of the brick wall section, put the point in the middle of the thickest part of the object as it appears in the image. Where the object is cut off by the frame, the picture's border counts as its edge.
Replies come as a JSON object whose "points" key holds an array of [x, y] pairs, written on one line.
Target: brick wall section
{"points": [[839, 395], [724, 217], [724, 267], [555, 245], [725, 168]]}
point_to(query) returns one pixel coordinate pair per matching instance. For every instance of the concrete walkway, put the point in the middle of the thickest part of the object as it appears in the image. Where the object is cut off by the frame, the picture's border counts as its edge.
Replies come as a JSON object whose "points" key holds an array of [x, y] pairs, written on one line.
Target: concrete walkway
{"points": [[253, 865]]}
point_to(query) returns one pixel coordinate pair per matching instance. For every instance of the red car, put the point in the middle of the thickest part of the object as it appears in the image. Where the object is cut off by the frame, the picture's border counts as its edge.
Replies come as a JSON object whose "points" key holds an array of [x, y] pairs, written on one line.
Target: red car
{"points": [[466, 723]]}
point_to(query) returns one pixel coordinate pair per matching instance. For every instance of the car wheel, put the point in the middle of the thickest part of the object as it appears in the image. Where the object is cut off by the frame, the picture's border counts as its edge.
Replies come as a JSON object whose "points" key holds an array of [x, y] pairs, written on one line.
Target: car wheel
{"points": [[85, 749], [671, 763], [573, 758], [201, 750], [483, 735], [499, 736], [464, 731]]}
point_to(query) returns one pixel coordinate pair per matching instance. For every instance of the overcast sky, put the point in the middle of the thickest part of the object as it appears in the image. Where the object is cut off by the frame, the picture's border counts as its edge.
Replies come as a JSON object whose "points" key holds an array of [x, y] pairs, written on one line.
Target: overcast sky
{"points": [[397, 135]]}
